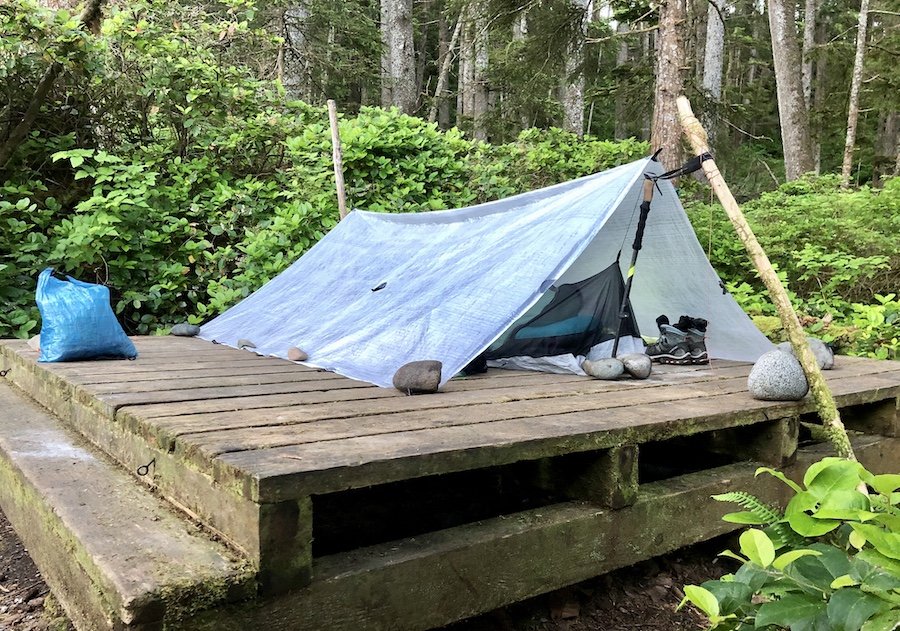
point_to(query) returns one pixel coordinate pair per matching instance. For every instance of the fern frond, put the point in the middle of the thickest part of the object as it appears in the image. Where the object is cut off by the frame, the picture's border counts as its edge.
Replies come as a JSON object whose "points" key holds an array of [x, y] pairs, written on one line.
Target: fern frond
{"points": [[752, 504]]}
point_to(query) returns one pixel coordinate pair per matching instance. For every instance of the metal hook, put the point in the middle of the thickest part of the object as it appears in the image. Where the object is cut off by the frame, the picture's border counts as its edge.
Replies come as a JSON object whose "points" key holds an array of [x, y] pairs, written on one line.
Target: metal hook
{"points": [[144, 469]]}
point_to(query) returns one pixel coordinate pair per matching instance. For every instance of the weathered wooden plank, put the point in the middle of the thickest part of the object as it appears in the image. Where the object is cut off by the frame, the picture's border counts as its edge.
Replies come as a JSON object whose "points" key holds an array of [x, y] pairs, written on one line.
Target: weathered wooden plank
{"points": [[325, 466], [575, 392], [197, 373], [433, 579], [166, 384], [116, 555], [386, 416]]}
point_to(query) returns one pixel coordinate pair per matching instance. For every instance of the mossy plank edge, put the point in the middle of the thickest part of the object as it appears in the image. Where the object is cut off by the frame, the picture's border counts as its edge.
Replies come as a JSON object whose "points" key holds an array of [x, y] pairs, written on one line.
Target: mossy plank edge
{"points": [[94, 534], [244, 524], [400, 456], [441, 577]]}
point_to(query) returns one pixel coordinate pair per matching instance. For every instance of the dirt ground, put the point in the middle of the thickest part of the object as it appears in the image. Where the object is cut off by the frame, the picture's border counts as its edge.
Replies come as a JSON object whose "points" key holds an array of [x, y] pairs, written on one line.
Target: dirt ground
{"points": [[641, 597]]}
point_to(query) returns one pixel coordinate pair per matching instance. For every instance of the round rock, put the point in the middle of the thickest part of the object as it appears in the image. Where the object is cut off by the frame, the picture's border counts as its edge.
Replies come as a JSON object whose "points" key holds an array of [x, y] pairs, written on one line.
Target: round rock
{"points": [[419, 377], [297, 355], [637, 365], [244, 343], [777, 376], [609, 368], [824, 354], [185, 330]]}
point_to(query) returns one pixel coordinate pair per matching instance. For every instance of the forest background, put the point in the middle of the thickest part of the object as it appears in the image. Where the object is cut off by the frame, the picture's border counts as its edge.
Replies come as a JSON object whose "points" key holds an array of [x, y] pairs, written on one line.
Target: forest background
{"points": [[179, 152]]}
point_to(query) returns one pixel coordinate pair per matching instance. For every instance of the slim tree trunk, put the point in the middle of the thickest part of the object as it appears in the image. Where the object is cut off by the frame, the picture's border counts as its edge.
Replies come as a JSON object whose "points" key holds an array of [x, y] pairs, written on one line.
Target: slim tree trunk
{"points": [[466, 72], [480, 91], [295, 66], [669, 82], [445, 55], [444, 74], [621, 124], [855, 83], [809, 41], [573, 80], [89, 15], [519, 32], [713, 59], [792, 112], [398, 83]]}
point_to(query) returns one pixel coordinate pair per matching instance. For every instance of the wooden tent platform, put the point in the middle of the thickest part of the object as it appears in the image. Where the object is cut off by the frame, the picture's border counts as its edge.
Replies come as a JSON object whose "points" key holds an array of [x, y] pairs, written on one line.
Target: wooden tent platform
{"points": [[364, 508]]}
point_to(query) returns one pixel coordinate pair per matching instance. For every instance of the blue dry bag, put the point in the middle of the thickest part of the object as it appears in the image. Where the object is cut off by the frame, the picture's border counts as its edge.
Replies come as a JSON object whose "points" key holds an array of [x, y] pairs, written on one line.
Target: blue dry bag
{"points": [[77, 321]]}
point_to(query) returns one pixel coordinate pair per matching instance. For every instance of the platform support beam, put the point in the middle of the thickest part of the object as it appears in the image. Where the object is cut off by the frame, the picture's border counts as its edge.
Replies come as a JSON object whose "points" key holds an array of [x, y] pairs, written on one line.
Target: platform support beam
{"points": [[285, 545], [881, 417]]}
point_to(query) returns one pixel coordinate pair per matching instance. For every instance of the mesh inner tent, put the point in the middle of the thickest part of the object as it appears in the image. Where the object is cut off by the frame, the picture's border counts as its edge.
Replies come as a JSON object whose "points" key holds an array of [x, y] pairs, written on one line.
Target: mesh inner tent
{"points": [[579, 316]]}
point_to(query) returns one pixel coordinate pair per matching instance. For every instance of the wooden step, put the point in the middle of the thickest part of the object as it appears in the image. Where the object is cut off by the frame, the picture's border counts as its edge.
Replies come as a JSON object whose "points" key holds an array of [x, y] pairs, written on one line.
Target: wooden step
{"points": [[116, 556]]}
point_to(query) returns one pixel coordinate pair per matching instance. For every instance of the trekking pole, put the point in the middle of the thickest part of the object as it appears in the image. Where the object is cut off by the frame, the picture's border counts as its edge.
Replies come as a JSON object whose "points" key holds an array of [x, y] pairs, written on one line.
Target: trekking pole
{"points": [[636, 247]]}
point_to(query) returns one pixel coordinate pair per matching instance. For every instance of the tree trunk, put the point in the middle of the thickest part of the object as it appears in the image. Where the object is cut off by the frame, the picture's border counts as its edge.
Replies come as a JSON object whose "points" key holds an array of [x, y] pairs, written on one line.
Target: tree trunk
{"points": [[466, 71], [855, 83], [622, 114], [519, 32], [295, 64], [792, 112], [89, 15], [666, 133], [480, 91], [809, 41], [713, 58], [398, 84], [573, 80], [440, 100]]}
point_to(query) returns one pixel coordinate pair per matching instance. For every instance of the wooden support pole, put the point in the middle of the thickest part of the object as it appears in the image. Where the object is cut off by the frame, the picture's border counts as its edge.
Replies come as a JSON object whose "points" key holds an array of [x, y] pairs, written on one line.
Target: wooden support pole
{"points": [[337, 158], [825, 405]]}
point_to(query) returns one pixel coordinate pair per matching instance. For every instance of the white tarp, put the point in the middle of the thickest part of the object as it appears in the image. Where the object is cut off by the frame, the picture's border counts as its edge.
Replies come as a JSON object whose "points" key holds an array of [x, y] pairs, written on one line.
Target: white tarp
{"points": [[454, 281]]}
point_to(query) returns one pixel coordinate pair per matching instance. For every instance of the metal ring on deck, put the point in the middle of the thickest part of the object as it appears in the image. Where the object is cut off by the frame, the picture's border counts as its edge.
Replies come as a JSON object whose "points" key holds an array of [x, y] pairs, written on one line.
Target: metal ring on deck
{"points": [[144, 469], [3, 373]]}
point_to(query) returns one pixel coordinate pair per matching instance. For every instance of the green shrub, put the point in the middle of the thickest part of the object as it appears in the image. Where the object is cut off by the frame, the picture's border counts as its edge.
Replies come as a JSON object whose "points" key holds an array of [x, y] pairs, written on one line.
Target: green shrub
{"points": [[830, 561]]}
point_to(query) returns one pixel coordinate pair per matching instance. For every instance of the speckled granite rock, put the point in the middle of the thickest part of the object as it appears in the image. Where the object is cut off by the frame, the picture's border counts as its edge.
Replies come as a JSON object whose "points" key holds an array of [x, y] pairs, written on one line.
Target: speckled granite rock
{"points": [[610, 368], [638, 365], [777, 376], [824, 355], [185, 330], [297, 355]]}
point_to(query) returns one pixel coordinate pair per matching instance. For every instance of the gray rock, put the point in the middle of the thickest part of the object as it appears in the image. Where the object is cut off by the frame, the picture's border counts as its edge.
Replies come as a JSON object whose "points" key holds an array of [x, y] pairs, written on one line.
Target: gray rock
{"points": [[35, 343], [185, 330], [777, 376], [824, 355], [297, 355], [419, 377], [242, 343], [638, 365], [609, 368]]}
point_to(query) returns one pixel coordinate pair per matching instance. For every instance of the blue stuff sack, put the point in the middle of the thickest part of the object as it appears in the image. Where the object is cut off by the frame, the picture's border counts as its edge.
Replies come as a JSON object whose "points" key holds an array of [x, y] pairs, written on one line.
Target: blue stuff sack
{"points": [[77, 321]]}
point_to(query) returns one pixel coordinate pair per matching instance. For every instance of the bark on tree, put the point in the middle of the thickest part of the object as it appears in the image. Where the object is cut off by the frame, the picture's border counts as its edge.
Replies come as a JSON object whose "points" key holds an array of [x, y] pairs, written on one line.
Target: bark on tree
{"points": [[295, 64], [621, 124], [855, 83], [519, 32], [573, 80], [89, 15], [398, 56], [713, 59], [669, 83], [466, 73], [444, 74], [825, 405], [809, 42], [792, 112], [480, 92]]}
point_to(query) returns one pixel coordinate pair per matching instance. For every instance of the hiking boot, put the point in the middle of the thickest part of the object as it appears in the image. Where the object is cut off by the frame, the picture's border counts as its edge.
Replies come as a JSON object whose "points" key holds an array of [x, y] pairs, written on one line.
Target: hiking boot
{"points": [[672, 347], [695, 335]]}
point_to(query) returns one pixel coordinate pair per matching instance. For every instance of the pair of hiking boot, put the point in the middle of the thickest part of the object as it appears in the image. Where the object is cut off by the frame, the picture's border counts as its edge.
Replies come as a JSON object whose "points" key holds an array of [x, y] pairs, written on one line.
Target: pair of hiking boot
{"points": [[683, 343]]}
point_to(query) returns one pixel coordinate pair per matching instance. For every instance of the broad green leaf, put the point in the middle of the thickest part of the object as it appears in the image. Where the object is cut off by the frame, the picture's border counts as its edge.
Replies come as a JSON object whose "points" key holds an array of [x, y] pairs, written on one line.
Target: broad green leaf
{"points": [[849, 608], [886, 483], [757, 547], [732, 555], [783, 560], [885, 621], [789, 610], [887, 543], [752, 576], [801, 522], [842, 581], [838, 475], [730, 595], [857, 540], [702, 599], [744, 517], [779, 475]]}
